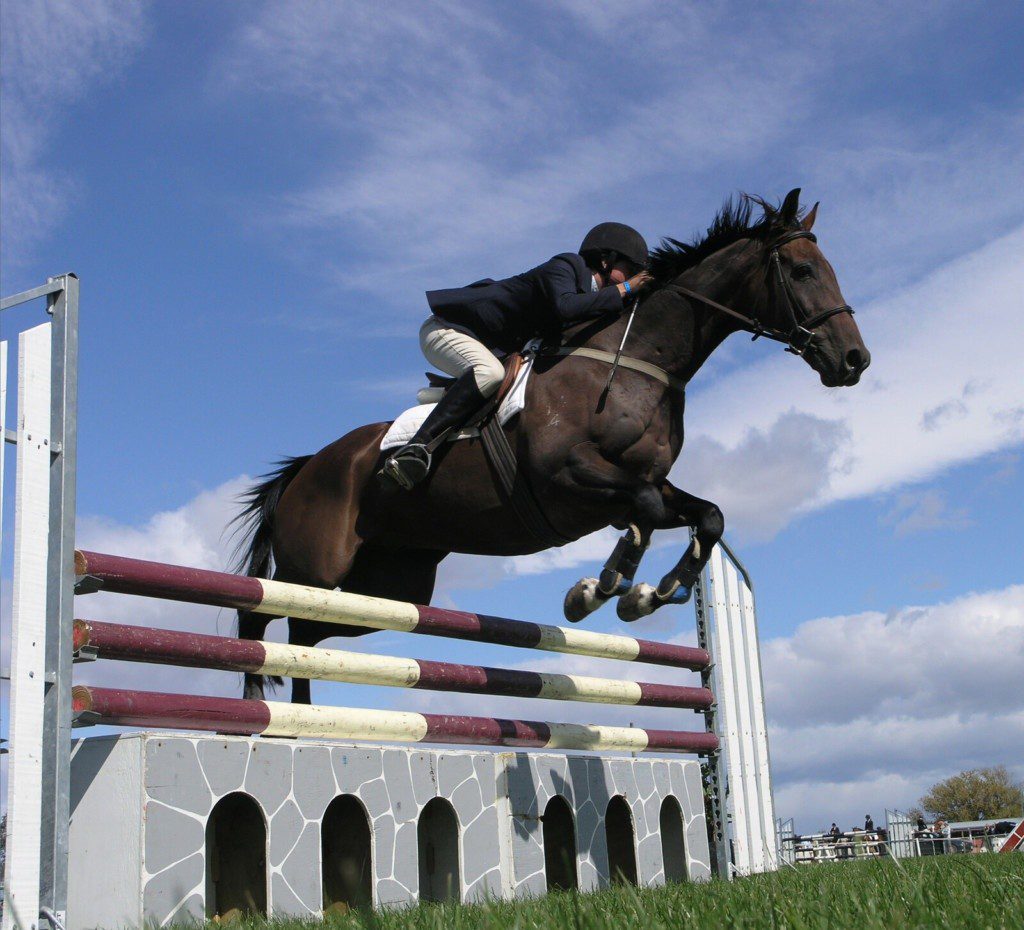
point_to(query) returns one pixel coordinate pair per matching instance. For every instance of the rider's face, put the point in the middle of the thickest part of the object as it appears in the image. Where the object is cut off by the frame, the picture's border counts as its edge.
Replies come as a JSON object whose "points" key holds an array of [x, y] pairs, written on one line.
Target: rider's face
{"points": [[619, 272]]}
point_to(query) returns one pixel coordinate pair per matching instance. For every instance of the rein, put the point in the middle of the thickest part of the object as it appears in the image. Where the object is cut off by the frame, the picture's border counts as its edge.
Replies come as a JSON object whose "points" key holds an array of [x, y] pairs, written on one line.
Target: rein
{"points": [[800, 334], [797, 340]]}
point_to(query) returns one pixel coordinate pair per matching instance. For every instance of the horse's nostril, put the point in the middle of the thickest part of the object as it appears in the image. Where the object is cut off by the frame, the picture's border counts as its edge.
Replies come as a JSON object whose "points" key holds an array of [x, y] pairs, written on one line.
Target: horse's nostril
{"points": [[857, 361]]}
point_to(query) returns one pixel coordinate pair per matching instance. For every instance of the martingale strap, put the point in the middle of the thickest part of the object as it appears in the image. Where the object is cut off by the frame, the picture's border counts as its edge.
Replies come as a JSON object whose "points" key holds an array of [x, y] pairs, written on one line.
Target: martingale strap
{"points": [[625, 361]]}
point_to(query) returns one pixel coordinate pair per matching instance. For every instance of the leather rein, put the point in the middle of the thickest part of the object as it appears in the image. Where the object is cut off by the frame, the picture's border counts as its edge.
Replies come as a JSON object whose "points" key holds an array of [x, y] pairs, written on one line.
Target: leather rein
{"points": [[798, 338]]}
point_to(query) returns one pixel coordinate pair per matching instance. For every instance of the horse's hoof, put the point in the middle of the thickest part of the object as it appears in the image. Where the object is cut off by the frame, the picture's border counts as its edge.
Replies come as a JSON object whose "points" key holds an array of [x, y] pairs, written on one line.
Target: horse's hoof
{"points": [[582, 600], [639, 601]]}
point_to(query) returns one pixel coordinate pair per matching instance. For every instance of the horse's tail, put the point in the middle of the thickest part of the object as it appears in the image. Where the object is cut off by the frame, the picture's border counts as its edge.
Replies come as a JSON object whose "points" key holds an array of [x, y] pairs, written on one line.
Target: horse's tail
{"points": [[254, 553], [256, 521]]}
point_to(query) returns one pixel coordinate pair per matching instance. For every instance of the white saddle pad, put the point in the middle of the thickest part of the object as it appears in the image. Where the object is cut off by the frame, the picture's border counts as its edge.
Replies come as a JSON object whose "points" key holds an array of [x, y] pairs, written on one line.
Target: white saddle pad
{"points": [[407, 423]]}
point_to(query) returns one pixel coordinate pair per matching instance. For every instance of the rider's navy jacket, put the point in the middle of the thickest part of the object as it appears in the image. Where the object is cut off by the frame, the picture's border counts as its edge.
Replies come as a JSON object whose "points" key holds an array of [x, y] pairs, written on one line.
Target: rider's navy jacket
{"points": [[540, 302]]}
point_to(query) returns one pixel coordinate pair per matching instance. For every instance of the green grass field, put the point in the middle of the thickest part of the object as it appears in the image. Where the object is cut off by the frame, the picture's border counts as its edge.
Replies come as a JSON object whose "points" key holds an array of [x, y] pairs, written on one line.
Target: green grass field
{"points": [[976, 892]]}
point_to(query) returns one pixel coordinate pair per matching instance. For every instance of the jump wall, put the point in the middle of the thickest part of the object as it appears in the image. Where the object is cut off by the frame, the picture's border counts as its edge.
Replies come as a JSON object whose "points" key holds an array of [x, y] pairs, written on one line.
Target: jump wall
{"points": [[149, 796]]}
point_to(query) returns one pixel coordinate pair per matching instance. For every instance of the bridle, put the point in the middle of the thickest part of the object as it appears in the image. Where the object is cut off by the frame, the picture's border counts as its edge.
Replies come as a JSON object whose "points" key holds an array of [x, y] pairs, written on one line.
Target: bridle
{"points": [[801, 331]]}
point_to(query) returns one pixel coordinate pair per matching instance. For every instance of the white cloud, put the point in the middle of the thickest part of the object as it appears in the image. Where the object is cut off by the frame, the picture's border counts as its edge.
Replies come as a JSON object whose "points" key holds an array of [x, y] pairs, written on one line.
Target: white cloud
{"points": [[768, 475], [453, 135], [868, 711], [54, 52], [963, 657], [461, 137], [902, 195]]}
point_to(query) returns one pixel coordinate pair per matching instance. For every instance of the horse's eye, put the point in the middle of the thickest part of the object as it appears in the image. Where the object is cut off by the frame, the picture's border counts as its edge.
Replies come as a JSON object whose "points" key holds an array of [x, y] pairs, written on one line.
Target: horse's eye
{"points": [[803, 272]]}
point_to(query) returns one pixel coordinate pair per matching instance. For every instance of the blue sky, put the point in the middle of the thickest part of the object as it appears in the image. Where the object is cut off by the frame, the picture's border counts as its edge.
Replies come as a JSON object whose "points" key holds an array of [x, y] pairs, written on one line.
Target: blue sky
{"points": [[255, 197]]}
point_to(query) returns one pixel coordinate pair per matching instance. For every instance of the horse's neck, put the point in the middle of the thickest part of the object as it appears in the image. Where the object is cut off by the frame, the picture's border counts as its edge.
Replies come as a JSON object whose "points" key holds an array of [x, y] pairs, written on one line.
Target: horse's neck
{"points": [[681, 332]]}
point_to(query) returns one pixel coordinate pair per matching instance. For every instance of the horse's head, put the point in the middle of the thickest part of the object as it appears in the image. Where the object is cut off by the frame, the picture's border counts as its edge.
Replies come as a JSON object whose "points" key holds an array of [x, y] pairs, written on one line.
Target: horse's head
{"points": [[775, 283], [800, 300]]}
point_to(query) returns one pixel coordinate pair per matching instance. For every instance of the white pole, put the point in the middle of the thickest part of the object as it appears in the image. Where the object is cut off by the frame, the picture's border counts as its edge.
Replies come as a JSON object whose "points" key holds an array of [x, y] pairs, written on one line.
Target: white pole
{"points": [[28, 631]]}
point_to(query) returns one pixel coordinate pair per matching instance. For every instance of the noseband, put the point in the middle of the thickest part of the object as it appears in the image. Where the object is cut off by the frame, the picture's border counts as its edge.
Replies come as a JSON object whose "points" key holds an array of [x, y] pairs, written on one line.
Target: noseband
{"points": [[802, 325]]}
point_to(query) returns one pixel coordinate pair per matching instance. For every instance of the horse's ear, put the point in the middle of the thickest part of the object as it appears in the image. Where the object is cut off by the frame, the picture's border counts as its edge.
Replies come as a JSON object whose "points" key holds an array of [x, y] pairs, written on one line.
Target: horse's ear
{"points": [[789, 208], [808, 221]]}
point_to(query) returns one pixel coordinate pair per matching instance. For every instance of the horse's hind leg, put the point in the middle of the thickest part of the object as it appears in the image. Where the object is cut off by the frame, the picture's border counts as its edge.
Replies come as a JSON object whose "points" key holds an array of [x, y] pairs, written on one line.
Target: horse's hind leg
{"points": [[254, 626], [396, 574]]}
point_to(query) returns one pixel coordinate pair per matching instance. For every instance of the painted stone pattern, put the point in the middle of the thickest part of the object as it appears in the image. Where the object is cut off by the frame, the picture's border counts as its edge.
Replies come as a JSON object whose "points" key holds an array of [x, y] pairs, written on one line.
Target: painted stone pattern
{"points": [[140, 805]]}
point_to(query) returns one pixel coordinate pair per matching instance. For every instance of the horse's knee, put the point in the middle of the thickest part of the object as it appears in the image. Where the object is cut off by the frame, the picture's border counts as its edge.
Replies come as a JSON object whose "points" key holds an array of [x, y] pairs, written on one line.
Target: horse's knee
{"points": [[711, 524]]}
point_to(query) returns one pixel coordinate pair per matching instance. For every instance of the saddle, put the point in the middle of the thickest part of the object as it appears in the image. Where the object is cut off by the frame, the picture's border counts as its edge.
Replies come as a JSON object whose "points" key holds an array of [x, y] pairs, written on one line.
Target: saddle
{"points": [[438, 384], [499, 452]]}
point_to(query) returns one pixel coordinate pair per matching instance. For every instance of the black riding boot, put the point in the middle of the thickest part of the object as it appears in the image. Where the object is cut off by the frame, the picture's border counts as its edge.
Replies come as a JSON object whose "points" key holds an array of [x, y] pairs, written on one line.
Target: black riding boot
{"points": [[409, 465]]}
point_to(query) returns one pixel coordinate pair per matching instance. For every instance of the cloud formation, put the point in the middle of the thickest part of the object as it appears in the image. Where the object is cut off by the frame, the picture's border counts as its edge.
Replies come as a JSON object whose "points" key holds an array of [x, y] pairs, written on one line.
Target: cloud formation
{"points": [[466, 138], [54, 53]]}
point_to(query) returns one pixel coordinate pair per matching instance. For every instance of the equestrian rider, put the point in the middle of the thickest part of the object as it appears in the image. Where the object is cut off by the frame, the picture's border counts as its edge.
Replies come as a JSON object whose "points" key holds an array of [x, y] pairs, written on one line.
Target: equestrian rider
{"points": [[469, 323]]}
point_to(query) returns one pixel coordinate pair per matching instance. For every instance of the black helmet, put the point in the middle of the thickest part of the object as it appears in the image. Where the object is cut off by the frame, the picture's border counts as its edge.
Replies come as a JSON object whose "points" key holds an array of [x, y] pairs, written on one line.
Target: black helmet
{"points": [[616, 237]]}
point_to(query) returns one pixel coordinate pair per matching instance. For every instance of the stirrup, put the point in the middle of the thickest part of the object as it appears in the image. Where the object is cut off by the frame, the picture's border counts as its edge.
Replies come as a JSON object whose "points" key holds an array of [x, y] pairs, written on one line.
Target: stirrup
{"points": [[408, 466]]}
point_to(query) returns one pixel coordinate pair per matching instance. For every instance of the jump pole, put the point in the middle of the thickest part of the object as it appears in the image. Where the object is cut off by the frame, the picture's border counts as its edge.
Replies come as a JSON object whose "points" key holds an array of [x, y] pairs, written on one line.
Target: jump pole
{"points": [[121, 575], [241, 717], [199, 650]]}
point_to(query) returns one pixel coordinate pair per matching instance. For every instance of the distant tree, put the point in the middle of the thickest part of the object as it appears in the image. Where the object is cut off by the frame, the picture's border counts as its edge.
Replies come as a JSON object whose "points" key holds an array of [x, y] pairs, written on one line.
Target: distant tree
{"points": [[977, 794]]}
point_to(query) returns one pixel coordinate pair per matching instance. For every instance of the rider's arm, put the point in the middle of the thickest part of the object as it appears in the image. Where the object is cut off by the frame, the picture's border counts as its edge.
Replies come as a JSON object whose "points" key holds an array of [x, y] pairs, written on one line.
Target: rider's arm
{"points": [[558, 281]]}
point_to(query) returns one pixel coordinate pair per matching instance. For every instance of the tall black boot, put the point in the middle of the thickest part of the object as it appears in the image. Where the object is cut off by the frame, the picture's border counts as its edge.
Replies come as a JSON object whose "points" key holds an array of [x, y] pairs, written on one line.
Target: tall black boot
{"points": [[409, 465]]}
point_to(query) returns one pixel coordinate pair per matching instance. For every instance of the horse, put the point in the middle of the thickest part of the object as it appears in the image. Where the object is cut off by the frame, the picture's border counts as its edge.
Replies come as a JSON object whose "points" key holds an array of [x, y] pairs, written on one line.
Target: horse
{"points": [[593, 450]]}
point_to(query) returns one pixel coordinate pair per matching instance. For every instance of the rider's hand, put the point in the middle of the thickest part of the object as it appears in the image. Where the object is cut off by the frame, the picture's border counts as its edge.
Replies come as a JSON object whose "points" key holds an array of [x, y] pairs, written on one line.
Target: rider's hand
{"points": [[636, 284]]}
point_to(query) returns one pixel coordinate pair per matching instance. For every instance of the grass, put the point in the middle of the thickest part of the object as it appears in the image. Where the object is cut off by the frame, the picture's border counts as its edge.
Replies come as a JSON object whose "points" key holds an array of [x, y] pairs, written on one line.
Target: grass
{"points": [[976, 892]]}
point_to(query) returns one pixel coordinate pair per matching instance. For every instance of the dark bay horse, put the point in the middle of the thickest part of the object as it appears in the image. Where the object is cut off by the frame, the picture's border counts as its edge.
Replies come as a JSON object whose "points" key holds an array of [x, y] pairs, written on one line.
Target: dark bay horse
{"points": [[594, 455]]}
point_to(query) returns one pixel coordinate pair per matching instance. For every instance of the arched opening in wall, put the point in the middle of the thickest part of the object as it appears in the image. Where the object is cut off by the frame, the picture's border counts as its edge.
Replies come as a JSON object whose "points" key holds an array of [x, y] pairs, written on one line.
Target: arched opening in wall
{"points": [[559, 845], [618, 829], [673, 840], [438, 841], [236, 858], [345, 855]]}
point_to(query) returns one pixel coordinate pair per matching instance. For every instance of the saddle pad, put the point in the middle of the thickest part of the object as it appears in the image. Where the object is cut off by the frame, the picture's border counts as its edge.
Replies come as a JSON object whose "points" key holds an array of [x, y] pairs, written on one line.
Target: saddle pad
{"points": [[407, 423]]}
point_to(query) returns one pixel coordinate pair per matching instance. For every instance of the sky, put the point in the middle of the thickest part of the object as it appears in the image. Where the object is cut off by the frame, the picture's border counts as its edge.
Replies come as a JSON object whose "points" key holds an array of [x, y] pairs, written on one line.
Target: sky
{"points": [[255, 197]]}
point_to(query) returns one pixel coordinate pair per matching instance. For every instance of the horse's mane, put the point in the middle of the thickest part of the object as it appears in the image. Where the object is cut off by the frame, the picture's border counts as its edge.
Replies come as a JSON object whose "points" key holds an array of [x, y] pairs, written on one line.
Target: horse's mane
{"points": [[732, 223]]}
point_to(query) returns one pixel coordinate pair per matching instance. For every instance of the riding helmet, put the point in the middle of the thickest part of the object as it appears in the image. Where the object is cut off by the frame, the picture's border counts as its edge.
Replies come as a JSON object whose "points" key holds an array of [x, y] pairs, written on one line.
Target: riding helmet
{"points": [[616, 237]]}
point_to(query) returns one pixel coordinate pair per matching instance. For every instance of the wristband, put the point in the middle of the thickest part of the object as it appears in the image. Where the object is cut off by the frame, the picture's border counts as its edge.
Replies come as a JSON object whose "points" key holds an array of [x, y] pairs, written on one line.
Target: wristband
{"points": [[629, 290]]}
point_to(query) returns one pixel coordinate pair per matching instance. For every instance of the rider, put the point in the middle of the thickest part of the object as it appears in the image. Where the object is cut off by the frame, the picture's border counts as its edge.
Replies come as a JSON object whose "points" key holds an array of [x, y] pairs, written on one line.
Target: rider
{"points": [[469, 322]]}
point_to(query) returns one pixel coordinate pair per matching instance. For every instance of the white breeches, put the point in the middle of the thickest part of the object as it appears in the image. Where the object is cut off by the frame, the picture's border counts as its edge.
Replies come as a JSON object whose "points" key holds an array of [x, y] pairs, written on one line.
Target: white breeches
{"points": [[455, 352]]}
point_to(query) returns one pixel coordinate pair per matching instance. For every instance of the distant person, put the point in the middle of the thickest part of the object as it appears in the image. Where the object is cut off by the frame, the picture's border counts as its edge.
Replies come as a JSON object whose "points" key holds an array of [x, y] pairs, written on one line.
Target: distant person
{"points": [[835, 832], [869, 824], [921, 825]]}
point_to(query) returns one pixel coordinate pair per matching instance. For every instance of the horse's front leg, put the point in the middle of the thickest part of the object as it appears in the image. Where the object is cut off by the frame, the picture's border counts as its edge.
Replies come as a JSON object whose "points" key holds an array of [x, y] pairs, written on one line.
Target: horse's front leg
{"points": [[681, 509], [616, 578], [590, 476]]}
